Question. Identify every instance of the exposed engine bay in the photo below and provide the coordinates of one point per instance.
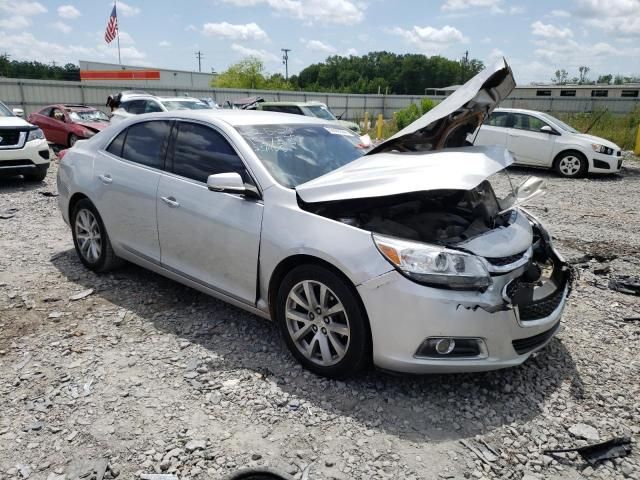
(442, 217)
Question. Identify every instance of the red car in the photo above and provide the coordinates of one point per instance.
(66, 124)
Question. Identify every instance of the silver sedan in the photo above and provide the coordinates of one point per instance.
(399, 255)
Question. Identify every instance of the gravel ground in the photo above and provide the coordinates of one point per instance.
(127, 374)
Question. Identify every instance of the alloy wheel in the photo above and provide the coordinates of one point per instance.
(317, 323)
(88, 235)
(569, 165)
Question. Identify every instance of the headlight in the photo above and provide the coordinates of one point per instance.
(35, 134)
(601, 149)
(88, 133)
(434, 265)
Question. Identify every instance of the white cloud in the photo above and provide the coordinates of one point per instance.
(68, 11)
(495, 54)
(164, 43)
(62, 27)
(25, 8)
(620, 17)
(127, 10)
(430, 39)
(253, 52)
(464, 4)
(351, 51)
(15, 22)
(550, 31)
(345, 12)
(318, 46)
(249, 31)
(560, 13)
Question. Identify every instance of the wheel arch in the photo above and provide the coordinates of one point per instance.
(73, 201)
(573, 150)
(289, 263)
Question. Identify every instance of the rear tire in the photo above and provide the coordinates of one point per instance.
(571, 164)
(91, 240)
(322, 322)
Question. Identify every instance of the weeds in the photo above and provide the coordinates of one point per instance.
(619, 129)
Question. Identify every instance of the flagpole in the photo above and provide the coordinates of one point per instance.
(117, 30)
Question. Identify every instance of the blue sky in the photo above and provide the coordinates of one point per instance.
(536, 37)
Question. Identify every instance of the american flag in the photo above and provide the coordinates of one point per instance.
(112, 26)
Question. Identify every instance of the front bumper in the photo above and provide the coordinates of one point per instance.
(33, 156)
(509, 327)
(601, 163)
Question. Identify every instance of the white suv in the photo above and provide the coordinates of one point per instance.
(134, 103)
(539, 140)
(23, 148)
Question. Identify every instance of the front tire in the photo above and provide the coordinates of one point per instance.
(72, 140)
(322, 322)
(90, 238)
(571, 164)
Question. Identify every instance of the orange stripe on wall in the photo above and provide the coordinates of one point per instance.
(119, 75)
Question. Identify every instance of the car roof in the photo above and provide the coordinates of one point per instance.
(238, 118)
(181, 99)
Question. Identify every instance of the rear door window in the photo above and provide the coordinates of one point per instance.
(145, 143)
(201, 151)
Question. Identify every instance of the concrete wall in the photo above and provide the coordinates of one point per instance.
(32, 95)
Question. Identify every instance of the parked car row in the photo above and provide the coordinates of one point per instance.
(399, 255)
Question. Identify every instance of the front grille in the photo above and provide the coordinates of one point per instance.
(541, 308)
(9, 137)
(619, 164)
(526, 345)
(502, 261)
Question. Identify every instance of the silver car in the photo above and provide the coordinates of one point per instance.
(400, 255)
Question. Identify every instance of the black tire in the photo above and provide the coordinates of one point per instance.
(72, 140)
(571, 164)
(107, 259)
(39, 175)
(357, 351)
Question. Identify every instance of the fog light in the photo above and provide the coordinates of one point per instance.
(452, 348)
(445, 346)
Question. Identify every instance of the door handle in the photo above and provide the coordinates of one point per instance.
(172, 202)
(106, 178)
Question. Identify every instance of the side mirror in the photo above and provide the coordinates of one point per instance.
(230, 183)
(531, 188)
(18, 112)
(548, 129)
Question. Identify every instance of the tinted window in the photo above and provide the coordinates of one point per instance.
(527, 122)
(45, 111)
(629, 93)
(145, 143)
(543, 93)
(567, 93)
(599, 93)
(498, 119)
(152, 107)
(283, 109)
(134, 106)
(115, 147)
(201, 151)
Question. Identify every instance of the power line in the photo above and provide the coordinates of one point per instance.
(199, 56)
(285, 60)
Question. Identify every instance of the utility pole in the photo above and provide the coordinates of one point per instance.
(199, 56)
(285, 60)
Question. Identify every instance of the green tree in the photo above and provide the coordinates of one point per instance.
(561, 77)
(249, 73)
(605, 79)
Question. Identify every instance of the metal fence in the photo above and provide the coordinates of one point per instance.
(32, 95)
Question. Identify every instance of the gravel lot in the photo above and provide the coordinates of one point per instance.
(143, 375)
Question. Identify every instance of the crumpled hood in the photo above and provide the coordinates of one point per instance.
(447, 124)
(95, 126)
(395, 173)
(13, 122)
(600, 141)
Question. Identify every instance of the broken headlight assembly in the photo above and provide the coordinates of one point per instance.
(433, 265)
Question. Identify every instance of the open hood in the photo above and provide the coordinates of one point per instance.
(394, 173)
(449, 122)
